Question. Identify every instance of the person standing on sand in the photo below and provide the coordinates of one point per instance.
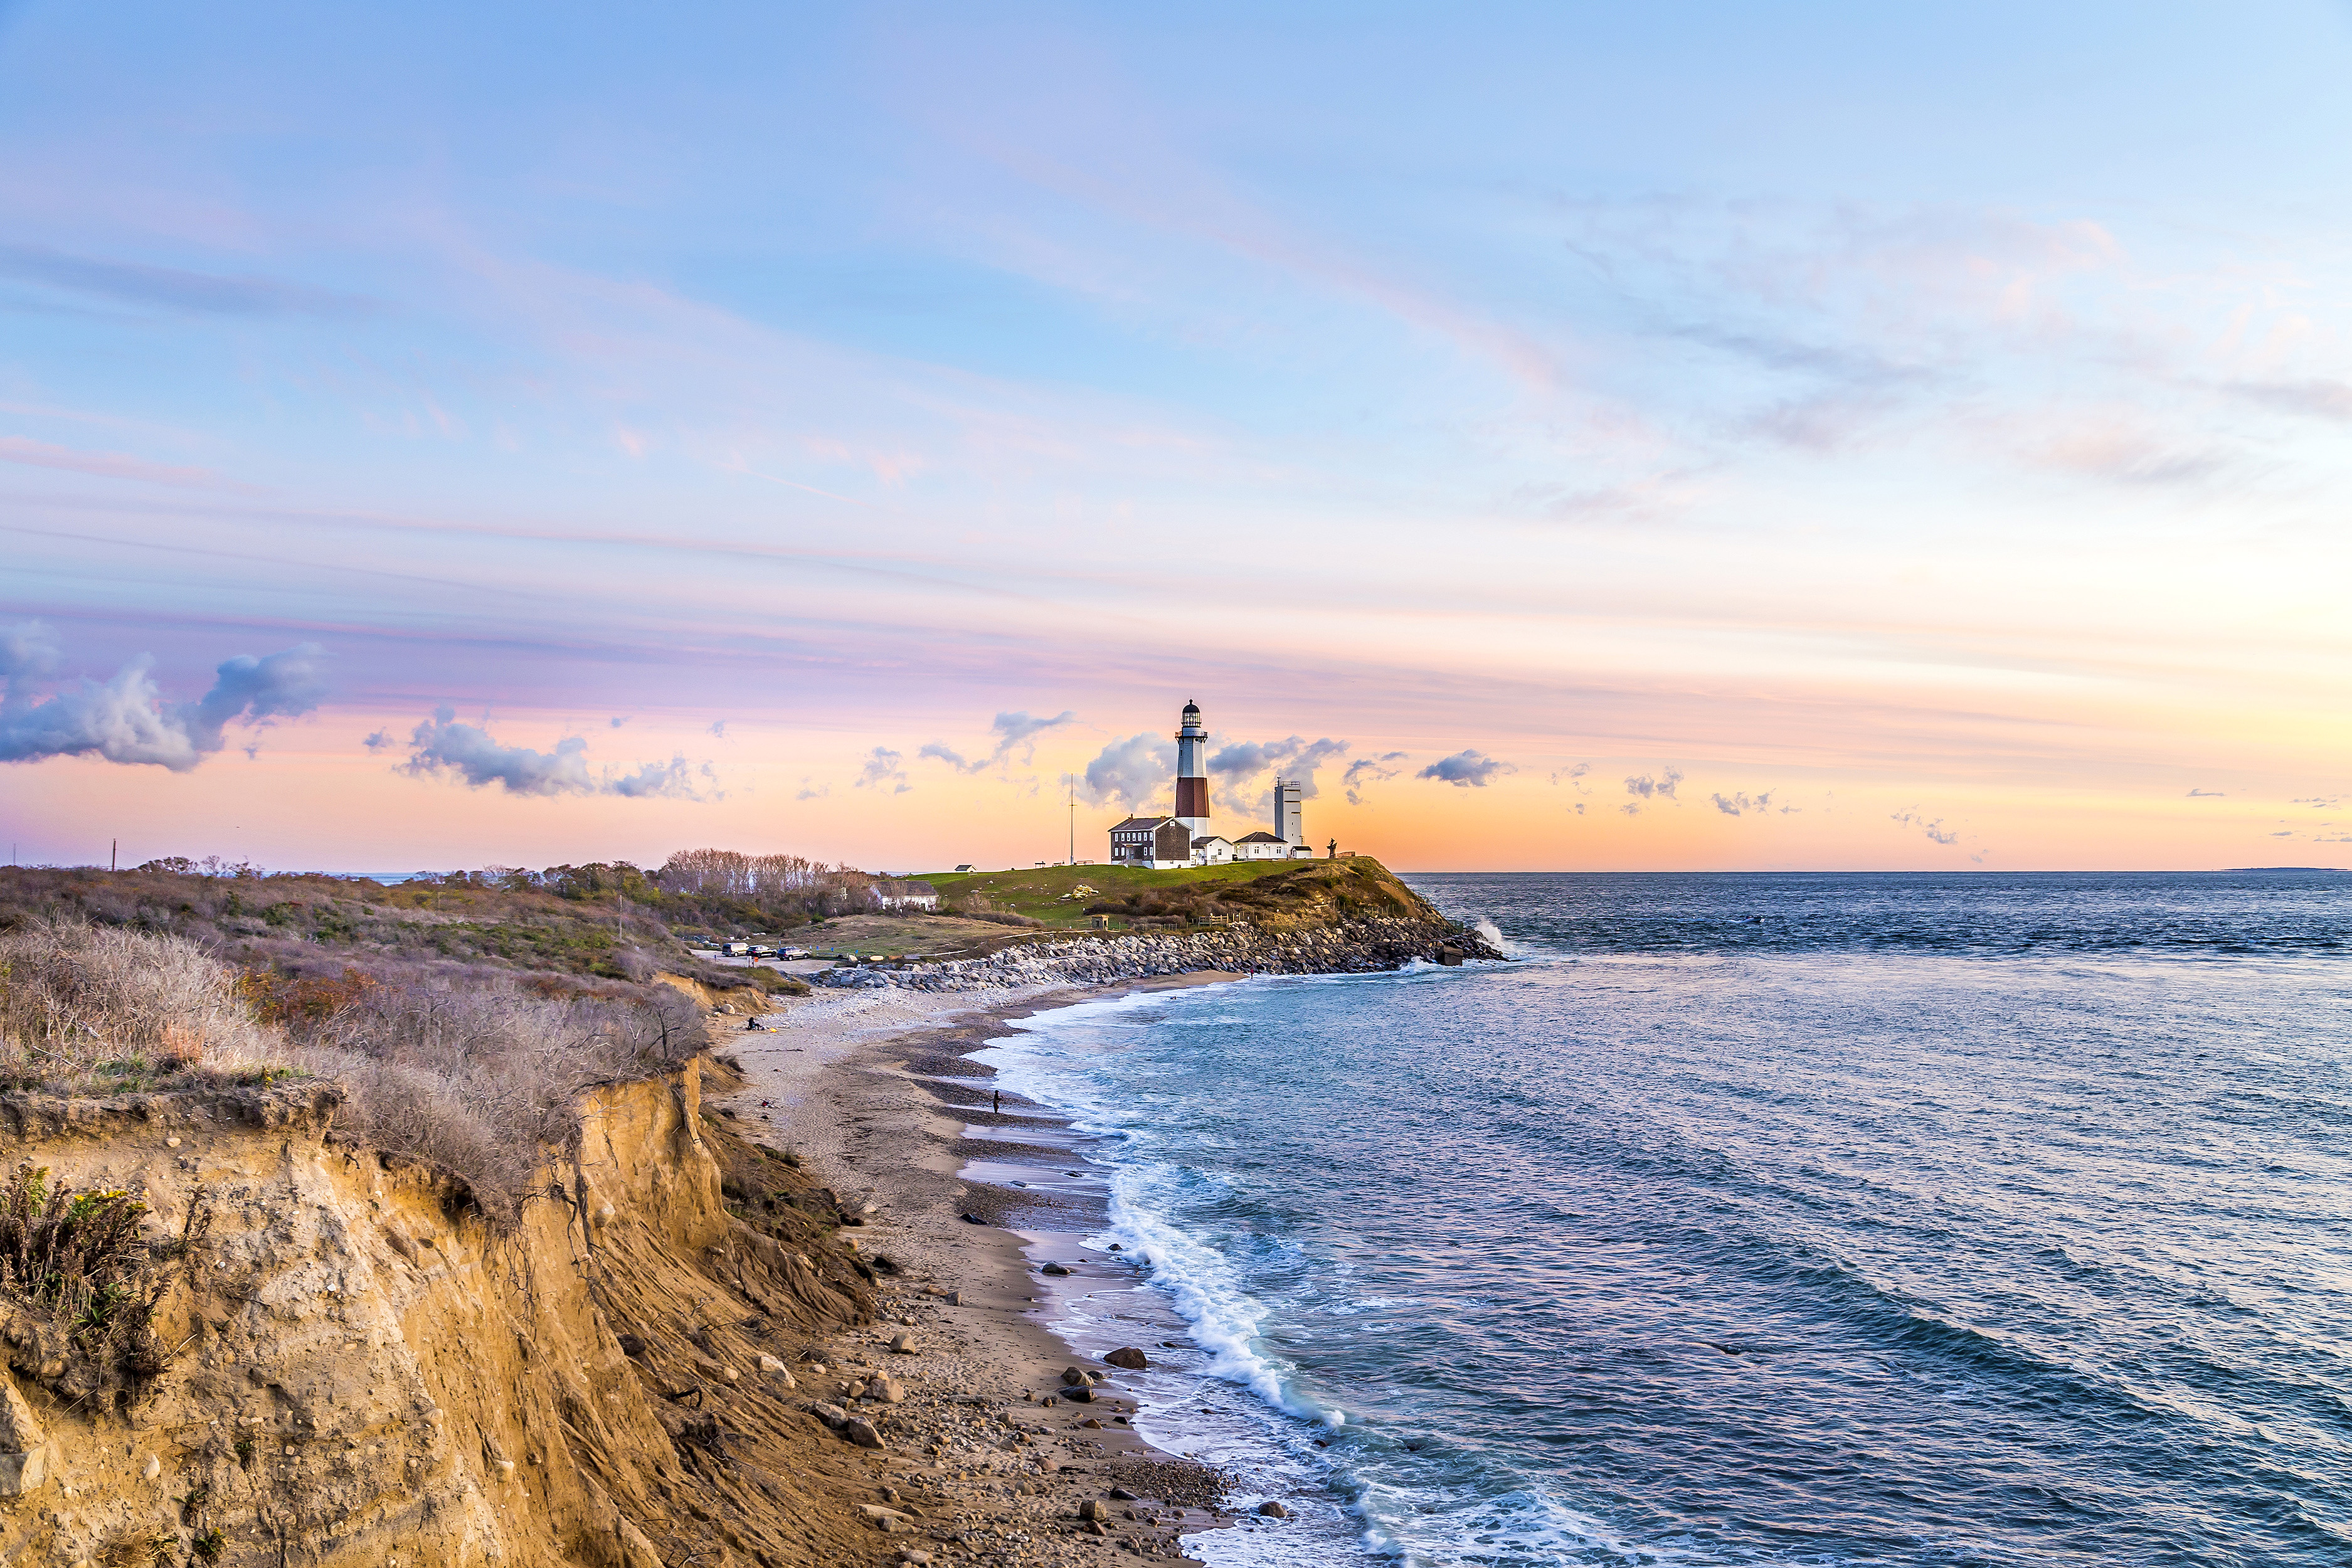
(996, 1102)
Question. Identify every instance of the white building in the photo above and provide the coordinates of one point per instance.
(1290, 815)
(1260, 845)
(893, 894)
(1213, 849)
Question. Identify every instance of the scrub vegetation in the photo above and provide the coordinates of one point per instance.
(471, 1069)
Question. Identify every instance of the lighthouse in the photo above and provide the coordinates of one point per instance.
(1193, 772)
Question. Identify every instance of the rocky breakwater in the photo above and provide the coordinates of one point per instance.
(1354, 918)
(312, 1353)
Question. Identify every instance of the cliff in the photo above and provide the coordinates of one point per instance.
(349, 1364)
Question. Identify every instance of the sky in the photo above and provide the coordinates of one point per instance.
(1566, 436)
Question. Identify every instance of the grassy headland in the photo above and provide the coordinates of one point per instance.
(1070, 898)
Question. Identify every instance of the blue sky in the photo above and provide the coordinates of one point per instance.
(1940, 410)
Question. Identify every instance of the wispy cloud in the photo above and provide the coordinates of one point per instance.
(2205, 795)
(2318, 399)
(1365, 770)
(1739, 803)
(111, 465)
(885, 770)
(175, 289)
(1934, 828)
(1013, 733)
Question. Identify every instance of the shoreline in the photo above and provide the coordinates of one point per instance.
(876, 1092)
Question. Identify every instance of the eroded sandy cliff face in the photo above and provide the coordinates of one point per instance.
(350, 1366)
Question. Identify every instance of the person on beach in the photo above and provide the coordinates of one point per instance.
(996, 1102)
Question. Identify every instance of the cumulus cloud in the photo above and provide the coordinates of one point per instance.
(884, 769)
(1466, 770)
(126, 719)
(1013, 733)
(381, 741)
(27, 653)
(1369, 771)
(441, 745)
(1131, 771)
(718, 729)
(1934, 829)
(1660, 788)
(1294, 758)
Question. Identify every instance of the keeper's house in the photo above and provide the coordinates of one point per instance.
(1152, 843)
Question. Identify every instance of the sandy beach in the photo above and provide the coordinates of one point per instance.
(874, 1092)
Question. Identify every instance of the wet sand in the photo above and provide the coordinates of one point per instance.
(874, 1090)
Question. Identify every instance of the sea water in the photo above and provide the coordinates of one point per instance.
(1745, 1219)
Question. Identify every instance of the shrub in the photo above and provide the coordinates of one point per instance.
(80, 1255)
(480, 1082)
(79, 1001)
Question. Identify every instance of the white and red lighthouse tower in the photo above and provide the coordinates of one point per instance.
(1192, 771)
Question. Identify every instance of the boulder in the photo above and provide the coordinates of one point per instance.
(860, 1431)
(1053, 1268)
(1127, 1356)
(24, 1445)
(831, 1415)
(902, 1344)
(1093, 1508)
(1073, 1377)
(889, 1521)
(888, 1389)
(1272, 1510)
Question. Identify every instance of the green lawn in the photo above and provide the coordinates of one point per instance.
(1049, 892)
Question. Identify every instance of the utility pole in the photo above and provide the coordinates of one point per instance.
(113, 854)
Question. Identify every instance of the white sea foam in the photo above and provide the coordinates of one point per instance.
(1364, 1508)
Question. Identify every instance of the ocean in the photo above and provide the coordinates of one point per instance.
(1965, 1219)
